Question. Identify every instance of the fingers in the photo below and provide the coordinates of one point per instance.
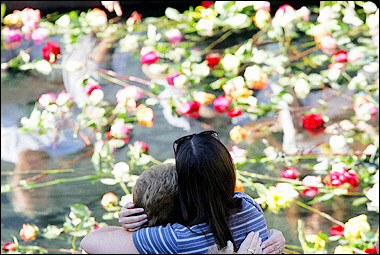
(251, 244)
(247, 241)
(117, 8)
(124, 212)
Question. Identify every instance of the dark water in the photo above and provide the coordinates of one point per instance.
(50, 205)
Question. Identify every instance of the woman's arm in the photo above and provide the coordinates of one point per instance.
(109, 240)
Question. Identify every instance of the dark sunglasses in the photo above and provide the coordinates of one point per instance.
(186, 137)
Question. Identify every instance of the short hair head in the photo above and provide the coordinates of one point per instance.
(156, 191)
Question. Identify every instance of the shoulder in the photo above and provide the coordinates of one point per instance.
(248, 201)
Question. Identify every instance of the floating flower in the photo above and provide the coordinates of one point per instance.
(144, 115)
(261, 18)
(12, 37)
(98, 146)
(30, 15)
(239, 186)
(311, 181)
(230, 63)
(142, 146)
(174, 35)
(364, 108)
(238, 134)
(343, 249)
(207, 4)
(97, 17)
(310, 191)
(171, 77)
(28, 232)
(63, 98)
(203, 98)
(233, 85)
(134, 18)
(51, 51)
(121, 171)
(109, 200)
(284, 15)
(13, 18)
(354, 227)
(43, 66)
(302, 88)
(326, 13)
(129, 43)
(261, 5)
(338, 144)
(339, 57)
(373, 195)
(337, 230)
(119, 130)
(313, 122)
(40, 34)
(234, 112)
(148, 55)
(91, 87)
(371, 250)
(9, 246)
(290, 173)
(279, 196)
(339, 176)
(328, 44)
(222, 104)
(304, 13)
(213, 59)
(128, 92)
(354, 55)
(255, 77)
(205, 27)
(238, 21)
(46, 99)
(238, 154)
(190, 109)
(316, 241)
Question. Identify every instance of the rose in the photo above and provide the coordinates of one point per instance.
(109, 200)
(213, 59)
(222, 104)
(143, 146)
(234, 112)
(9, 246)
(51, 51)
(203, 97)
(28, 232)
(40, 34)
(371, 250)
(119, 130)
(144, 115)
(91, 87)
(46, 99)
(238, 134)
(326, 13)
(171, 77)
(339, 57)
(256, 79)
(290, 173)
(190, 109)
(310, 192)
(313, 122)
(128, 92)
(261, 5)
(30, 15)
(354, 227)
(238, 154)
(174, 35)
(13, 18)
(337, 230)
(207, 4)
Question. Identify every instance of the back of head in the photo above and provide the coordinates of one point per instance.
(206, 181)
(156, 191)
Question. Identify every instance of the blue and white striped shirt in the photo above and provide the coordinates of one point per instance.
(176, 238)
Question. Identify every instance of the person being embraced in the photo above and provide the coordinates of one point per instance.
(205, 210)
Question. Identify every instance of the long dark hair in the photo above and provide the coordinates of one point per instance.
(206, 182)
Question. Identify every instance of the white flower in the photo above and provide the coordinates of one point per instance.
(370, 150)
(43, 66)
(121, 171)
(304, 13)
(338, 144)
(205, 27)
(302, 88)
(180, 81)
(230, 63)
(339, 167)
(158, 68)
(270, 152)
(201, 70)
(373, 195)
(96, 96)
(240, 5)
(312, 181)
(321, 166)
(63, 21)
(129, 43)
(239, 21)
(287, 190)
(369, 7)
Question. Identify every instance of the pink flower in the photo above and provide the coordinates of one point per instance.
(142, 145)
(91, 87)
(328, 45)
(95, 228)
(354, 55)
(30, 15)
(338, 66)
(339, 57)
(238, 154)
(222, 104)
(63, 98)
(171, 77)
(190, 109)
(310, 192)
(290, 173)
(119, 130)
(337, 230)
(261, 5)
(135, 16)
(11, 35)
(234, 112)
(284, 10)
(326, 13)
(311, 180)
(46, 99)
(131, 91)
(51, 51)
(9, 246)
(27, 29)
(98, 146)
(40, 34)
(174, 35)
(148, 55)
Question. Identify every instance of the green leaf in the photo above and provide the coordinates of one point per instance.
(109, 216)
(51, 232)
(80, 210)
(323, 198)
(359, 201)
(3, 8)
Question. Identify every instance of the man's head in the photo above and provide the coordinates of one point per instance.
(156, 191)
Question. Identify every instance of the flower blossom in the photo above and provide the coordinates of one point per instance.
(290, 173)
(28, 232)
(364, 109)
(142, 146)
(310, 191)
(40, 34)
(144, 115)
(202, 97)
(96, 17)
(119, 130)
(277, 197)
(238, 154)
(46, 99)
(255, 77)
(354, 227)
(337, 230)
(222, 104)
(109, 200)
(213, 59)
(12, 37)
(51, 51)
(128, 92)
(238, 134)
(148, 55)
(134, 18)
(261, 18)
(190, 109)
(340, 177)
(313, 122)
(340, 56)
(234, 112)
(9, 246)
(174, 35)
(230, 63)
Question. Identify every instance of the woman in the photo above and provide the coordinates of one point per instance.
(210, 210)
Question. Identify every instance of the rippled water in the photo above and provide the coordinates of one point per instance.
(50, 205)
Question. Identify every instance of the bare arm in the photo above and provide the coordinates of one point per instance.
(109, 240)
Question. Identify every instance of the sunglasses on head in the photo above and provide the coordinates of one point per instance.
(186, 137)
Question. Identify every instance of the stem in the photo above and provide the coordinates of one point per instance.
(55, 171)
(126, 77)
(319, 212)
(260, 176)
(124, 187)
(73, 243)
(157, 162)
(213, 44)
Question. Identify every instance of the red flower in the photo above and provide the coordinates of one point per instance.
(51, 51)
(339, 57)
(234, 112)
(337, 230)
(213, 59)
(207, 4)
(313, 122)
(222, 104)
(190, 109)
(9, 246)
(149, 58)
(290, 173)
(310, 192)
(371, 250)
(135, 16)
(143, 145)
(89, 88)
(171, 77)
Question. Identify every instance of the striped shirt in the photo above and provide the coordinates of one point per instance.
(177, 238)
